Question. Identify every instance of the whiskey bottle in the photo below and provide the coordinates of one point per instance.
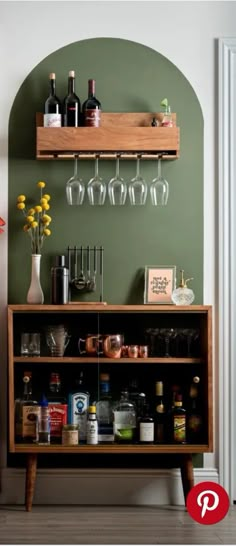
(26, 413)
(179, 421)
(58, 408)
(194, 418)
(78, 403)
(159, 414)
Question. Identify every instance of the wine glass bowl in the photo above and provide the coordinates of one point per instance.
(159, 189)
(96, 188)
(117, 188)
(138, 187)
(75, 188)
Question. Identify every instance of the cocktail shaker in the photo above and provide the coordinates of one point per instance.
(59, 282)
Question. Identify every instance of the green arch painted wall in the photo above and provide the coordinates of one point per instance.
(130, 77)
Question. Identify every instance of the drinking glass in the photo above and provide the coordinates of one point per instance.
(138, 187)
(96, 188)
(75, 188)
(117, 188)
(159, 188)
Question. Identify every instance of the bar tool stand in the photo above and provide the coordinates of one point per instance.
(85, 271)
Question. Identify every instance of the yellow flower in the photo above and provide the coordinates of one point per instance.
(38, 208)
(21, 198)
(46, 206)
(30, 219)
(47, 196)
(41, 184)
(46, 219)
(31, 212)
(34, 224)
(47, 232)
(43, 201)
(20, 206)
(26, 227)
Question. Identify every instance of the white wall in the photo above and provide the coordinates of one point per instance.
(185, 32)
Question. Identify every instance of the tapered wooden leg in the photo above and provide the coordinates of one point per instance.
(31, 468)
(186, 467)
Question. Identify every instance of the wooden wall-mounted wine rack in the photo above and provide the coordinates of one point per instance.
(127, 134)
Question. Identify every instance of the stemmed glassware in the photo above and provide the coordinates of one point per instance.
(117, 188)
(96, 188)
(138, 187)
(75, 188)
(159, 188)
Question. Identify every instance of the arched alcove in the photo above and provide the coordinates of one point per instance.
(130, 77)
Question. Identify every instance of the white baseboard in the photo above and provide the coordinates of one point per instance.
(101, 486)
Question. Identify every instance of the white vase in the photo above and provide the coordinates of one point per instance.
(35, 293)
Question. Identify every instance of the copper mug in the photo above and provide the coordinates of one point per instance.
(112, 345)
(92, 344)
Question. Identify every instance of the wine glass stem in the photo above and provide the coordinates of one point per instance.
(75, 167)
(138, 167)
(117, 167)
(96, 167)
(159, 168)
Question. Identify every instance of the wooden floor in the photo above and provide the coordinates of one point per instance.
(110, 525)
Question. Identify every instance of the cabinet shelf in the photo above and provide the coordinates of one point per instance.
(111, 448)
(92, 360)
(127, 134)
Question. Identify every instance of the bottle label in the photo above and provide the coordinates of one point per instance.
(92, 432)
(30, 421)
(194, 423)
(78, 412)
(52, 120)
(58, 418)
(146, 432)
(92, 117)
(179, 428)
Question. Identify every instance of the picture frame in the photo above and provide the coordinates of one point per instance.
(159, 283)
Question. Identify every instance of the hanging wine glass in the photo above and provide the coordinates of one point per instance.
(159, 188)
(96, 188)
(138, 187)
(117, 188)
(75, 188)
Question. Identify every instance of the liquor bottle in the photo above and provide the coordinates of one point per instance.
(160, 417)
(146, 426)
(179, 421)
(26, 413)
(92, 107)
(124, 424)
(78, 403)
(104, 410)
(71, 104)
(52, 108)
(194, 418)
(44, 422)
(92, 426)
(58, 408)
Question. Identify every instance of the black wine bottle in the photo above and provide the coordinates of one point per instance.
(91, 107)
(52, 109)
(71, 104)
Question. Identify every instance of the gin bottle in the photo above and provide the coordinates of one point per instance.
(78, 403)
(104, 410)
(124, 424)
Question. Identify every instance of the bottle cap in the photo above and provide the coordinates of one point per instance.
(104, 377)
(43, 402)
(92, 409)
(71, 74)
(52, 76)
(159, 388)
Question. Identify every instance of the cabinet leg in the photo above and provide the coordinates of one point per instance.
(31, 468)
(186, 467)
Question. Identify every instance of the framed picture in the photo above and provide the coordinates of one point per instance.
(159, 284)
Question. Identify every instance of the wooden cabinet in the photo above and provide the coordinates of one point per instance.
(127, 134)
(135, 322)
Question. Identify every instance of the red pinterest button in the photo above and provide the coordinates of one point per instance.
(207, 503)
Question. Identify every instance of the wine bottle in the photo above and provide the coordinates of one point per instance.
(91, 107)
(71, 104)
(52, 109)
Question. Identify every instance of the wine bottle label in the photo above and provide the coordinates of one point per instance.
(179, 428)
(146, 432)
(52, 120)
(92, 117)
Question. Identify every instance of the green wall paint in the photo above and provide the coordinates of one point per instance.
(130, 77)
